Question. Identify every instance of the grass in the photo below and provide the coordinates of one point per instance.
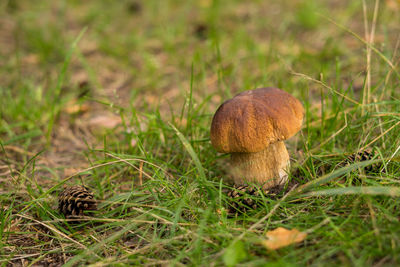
(120, 96)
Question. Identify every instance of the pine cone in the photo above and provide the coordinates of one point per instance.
(73, 200)
(364, 155)
(242, 196)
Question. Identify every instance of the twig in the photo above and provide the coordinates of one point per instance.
(87, 218)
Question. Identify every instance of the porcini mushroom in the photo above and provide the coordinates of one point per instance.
(252, 127)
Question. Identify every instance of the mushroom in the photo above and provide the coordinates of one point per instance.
(252, 126)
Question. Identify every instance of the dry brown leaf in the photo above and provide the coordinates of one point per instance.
(107, 121)
(282, 237)
(73, 107)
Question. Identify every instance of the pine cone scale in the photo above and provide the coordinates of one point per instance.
(243, 196)
(74, 200)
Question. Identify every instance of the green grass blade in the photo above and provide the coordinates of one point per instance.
(330, 176)
(93, 249)
(60, 82)
(27, 135)
(191, 152)
(203, 180)
(391, 191)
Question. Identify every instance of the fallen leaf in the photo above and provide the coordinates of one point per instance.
(73, 107)
(282, 237)
(107, 121)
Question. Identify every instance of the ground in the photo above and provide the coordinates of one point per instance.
(119, 96)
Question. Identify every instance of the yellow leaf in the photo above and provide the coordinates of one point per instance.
(282, 237)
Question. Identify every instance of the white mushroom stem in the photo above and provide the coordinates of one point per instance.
(268, 167)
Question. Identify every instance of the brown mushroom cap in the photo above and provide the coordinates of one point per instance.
(252, 120)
